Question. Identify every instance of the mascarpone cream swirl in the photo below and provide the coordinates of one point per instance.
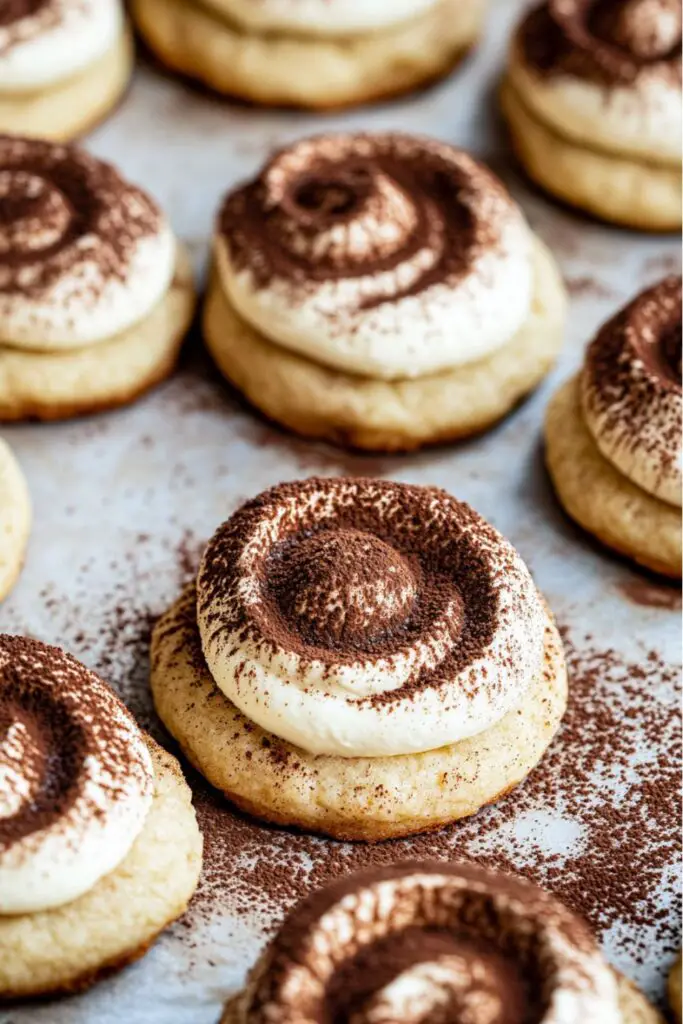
(83, 253)
(430, 944)
(607, 72)
(367, 618)
(631, 391)
(46, 41)
(322, 18)
(76, 778)
(386, 255)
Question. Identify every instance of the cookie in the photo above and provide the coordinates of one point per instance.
(90, 327)
(103, 850)
(320, 702)
(433, 333)
(317, 55)
(592, 96)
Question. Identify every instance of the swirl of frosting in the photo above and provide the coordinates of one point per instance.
(83, 254)
(367, 618)
(430, 944)
(631, 391)
(579, 49)
(76, 777)
(45, 41)
(322, 17)
(386, 255)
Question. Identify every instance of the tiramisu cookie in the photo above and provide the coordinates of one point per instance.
(96, 294)
(382, 291)
(311, 53)
(15, 519)
(614, 435)
(361, 658)
(424, 942)
(63, 65)
(675, 993)
(593, 99)
(99, 846)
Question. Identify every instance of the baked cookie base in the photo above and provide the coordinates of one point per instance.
(390, 416)
(367, 799)
(634, 1007)
(298, 71)
(59, 385)
(614, 187)
(66, 110)
(600, 498)
(68, 948)
(15, 519)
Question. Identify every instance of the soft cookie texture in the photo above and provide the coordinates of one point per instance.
(381, 291)
(63, 67)
(364, 798)
(592, 96)
(401, 942)
(273, 66)
(97, 293)
(68, 948)
(15, 519)
(320, 402)
(600, 498)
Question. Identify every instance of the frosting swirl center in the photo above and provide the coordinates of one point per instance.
(34, 215)
(338, 586)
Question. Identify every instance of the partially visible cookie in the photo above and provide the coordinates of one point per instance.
(592, 96)
(64, 65)
(15, 519)
(614, 444)
(86, 883)
(84, 326)
(409, 939)
(320, 55)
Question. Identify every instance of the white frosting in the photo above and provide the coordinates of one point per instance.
(322, 17)
(58, 41)
(326, 706)
(85, 306)
(84, 254)
(445, 327)
(642, 119)
(62, 859)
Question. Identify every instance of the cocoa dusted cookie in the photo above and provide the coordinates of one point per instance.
(64, 64)
(100, 849)
(96, 294)
(311, 53)
(428, 941)
(15, 519)
(361, 658)
(381, 291)
(614, 441)
(592, 95)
